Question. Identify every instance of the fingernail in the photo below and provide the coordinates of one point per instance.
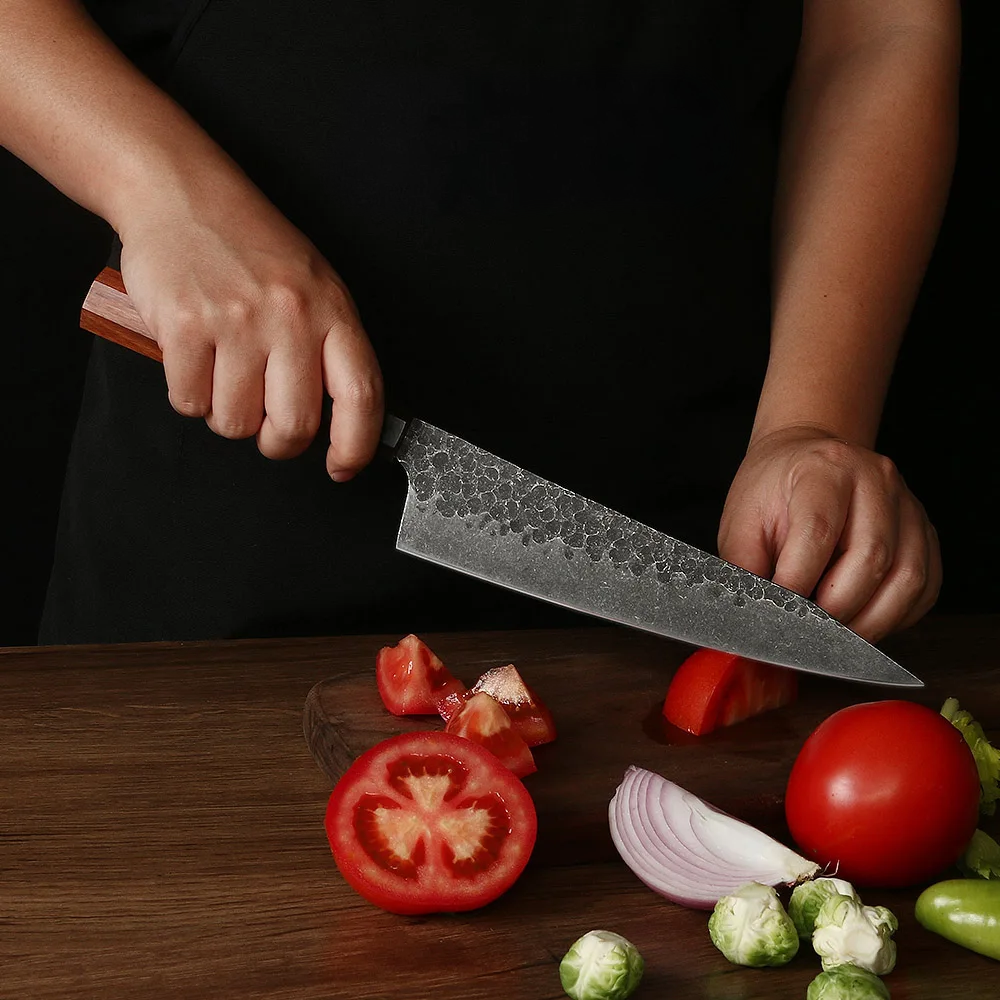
(341, 476)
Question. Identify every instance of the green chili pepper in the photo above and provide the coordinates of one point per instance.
(965, 911)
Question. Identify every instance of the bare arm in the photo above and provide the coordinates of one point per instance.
(867, 156)
(251, 339)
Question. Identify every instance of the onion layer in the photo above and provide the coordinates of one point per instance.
(689, 851)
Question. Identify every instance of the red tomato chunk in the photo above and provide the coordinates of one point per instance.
(531, 718)
(482, 719)
(429, 822)
(411, 679)
(713, 689)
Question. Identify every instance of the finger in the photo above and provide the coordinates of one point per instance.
(293, 402)
(935, 577)
(907, 585)
(354, 382)
(744, 539)
(868, 544)
(237, 394)
(817, 512)
(188, 364)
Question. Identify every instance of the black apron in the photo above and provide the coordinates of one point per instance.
(554, 219)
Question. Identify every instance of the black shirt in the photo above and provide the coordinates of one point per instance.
(554, 221)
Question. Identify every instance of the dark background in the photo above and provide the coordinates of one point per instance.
(940, 423)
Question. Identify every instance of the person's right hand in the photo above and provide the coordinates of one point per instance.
(253, 323)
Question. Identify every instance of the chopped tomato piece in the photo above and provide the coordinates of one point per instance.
(411, 679)
(531, 717)
(483, 720)
(428, 822)
(712, 689)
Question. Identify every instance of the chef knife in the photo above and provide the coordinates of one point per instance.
(478, 514)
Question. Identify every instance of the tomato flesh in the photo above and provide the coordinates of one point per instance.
(531, 717)
(429, 822)
(411, 679)
(885, 793)
(713, 689)
(481, 718)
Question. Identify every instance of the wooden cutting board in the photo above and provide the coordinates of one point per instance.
(607, 707)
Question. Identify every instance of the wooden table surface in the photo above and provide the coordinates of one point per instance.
(161, 824)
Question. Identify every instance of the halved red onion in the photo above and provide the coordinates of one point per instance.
(689, 851)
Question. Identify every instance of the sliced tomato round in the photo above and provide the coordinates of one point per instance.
(429, 822)
(531, 717)
(482, 719)
(411, 679)
(713, 689)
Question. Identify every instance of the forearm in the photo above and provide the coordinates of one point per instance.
(77, 111)
(867, 156)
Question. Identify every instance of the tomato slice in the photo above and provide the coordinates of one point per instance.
(483, 720)
(531, 717)
(428, 822)
(713, 689)
(411, 679)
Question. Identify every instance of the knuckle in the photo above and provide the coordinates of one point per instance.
(288, 300)
(913, 575)
(887, 469)
(295, 427)
(184, 326)
(819, 531)
(188, 406)
(877, 557)
(233, 427)
(363, 393)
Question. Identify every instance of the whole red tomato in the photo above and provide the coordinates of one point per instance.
(885, 793)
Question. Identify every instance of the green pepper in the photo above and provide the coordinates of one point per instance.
(965, 911)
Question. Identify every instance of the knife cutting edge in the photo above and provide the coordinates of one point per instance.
(475, 513)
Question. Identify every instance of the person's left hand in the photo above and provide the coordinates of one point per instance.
(835, 522)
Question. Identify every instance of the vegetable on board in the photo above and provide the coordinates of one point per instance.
(712, 689)
(849, 933)
(601, 965)
(808, 897)
(986, 755)
(531, 717)
(428, 822)
(883, 794)
(751, 927)
(482, 720)
(411, 679)
(965, 911)
(981, 857)
(847, 982)
(687, 850)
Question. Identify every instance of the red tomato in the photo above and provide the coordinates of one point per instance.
(712, 689)
(428, 822)
(411, 679)
(885, 793)
(530, 716)
(483, 720)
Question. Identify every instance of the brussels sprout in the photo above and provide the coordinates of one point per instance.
(847, 982)
(848, 933)
(750, 927)
(808, 897)
(601, 965)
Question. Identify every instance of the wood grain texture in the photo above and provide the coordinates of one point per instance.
(108, 312)
(161, 824)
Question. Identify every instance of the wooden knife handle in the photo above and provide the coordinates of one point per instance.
(108, 312)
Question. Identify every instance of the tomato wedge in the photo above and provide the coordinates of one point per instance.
(531, 717)
(713, 689)
(411, 679)
(428, 822)
(483, 720)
